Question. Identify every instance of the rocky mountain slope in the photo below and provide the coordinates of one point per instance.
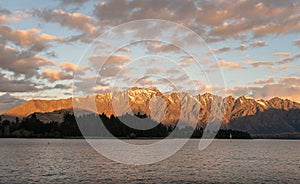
(244, 113)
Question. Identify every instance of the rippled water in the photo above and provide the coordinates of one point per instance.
(224, 161)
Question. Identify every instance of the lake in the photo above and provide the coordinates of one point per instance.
(224, 161)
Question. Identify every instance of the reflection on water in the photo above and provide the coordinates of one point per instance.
(224, 161)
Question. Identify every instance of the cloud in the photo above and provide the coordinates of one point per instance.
(173, 70)
(73, 2)
(146, 81)
(165, 85)
(7, 16)
(290, 81)
(259, 63)
(255, 44)
(113, 71)
(76, 21)
(56, 75)
(176, 10)
(187, 59)
(289, 58)
(268, 91)
(242, 47)
(264, 81)
(285, 67)
(51, 54)
(22, 62)
(4, 11)
(7, 102)
(154, 70)
(296, 56)
(128, 50)
(289, 26)
(287, 87)
(230, 30)
(285, 60)
(98, 61)
(258, 44)
(32, 38)
(297, 42)
(156, 48)
(101, 89)
(62, 86)
(228, 65)
(248, 16)
(213, 20)
(88, 83)
(223, 49)
(70, 67)
(111, 66)
(9, 84)
(283, 54)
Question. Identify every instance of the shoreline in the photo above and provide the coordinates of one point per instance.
(125, 138)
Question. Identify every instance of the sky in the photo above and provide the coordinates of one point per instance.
(55, 49)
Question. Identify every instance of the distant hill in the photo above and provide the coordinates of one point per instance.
(258, 117)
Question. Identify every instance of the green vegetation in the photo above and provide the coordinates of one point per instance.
(32, 127)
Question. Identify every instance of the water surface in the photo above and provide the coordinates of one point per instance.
(224, 161)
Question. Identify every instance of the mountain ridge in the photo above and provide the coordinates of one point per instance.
(240, 113)
(60, 104)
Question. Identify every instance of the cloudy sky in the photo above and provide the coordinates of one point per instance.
(252, 46)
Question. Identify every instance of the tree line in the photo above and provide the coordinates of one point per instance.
(91, 126)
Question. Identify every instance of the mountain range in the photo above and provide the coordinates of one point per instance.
(273, 117)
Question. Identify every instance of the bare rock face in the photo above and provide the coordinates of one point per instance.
(244, 113)
(41, 106)
(265, 116)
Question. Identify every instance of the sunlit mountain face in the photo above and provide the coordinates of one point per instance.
(244, 113)
(54, 50)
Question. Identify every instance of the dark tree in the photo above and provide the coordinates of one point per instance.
(69, 127)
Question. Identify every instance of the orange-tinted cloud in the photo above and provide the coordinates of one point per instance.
(259, 63)
(76, 21)
(70, 67)
(32, 38)
(286, 87)
(283, 54)
(215, 20)
(228, 65)
(56, 75)
(223, 49)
